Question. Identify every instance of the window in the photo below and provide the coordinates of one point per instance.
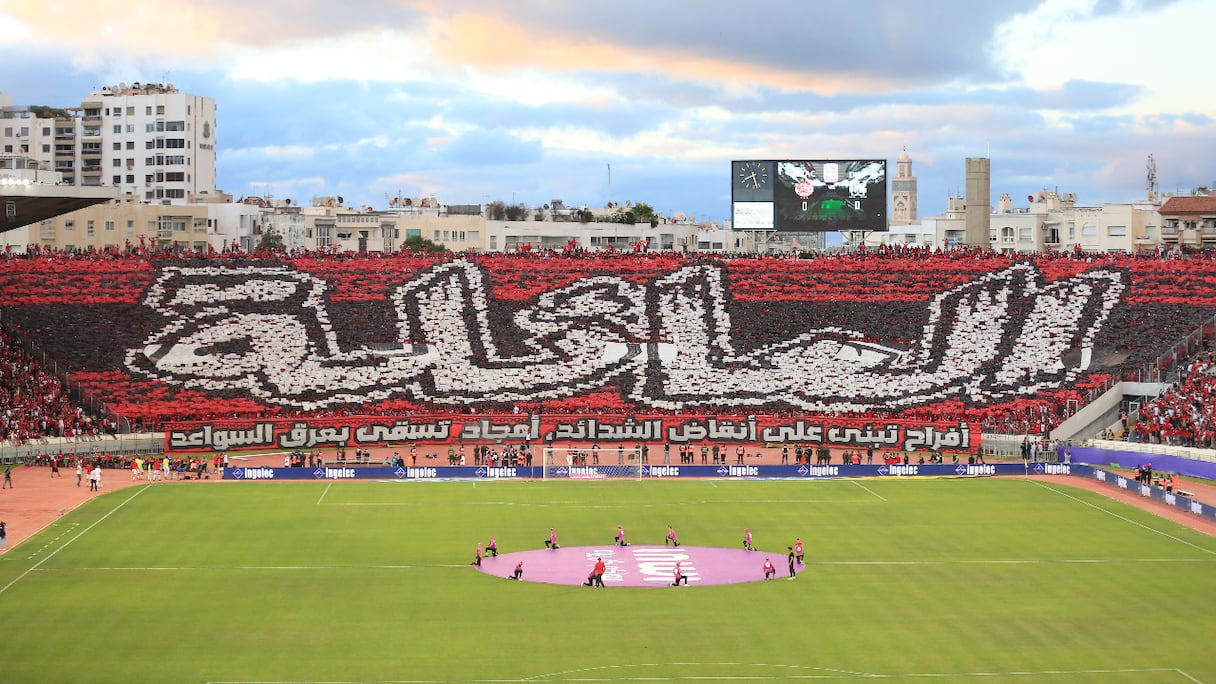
(1116, 231)
(117, 146)
(8, 131)
(89, 227)
(130, 227)
(69, 225)
(130, 111)
(109, 226)
(1089, 230)
(1150, 232)
(130, 128)
(160, 110)
(117, 162)
(131, 179)
(46, 149)
(117, 179)
(168, 226)
(117, 129)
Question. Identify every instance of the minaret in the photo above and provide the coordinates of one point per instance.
(903, 192)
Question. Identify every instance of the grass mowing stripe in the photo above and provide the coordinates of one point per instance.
(1123, 518)
(944, 578)
(67, 543)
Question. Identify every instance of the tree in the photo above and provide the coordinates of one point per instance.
(584, 215)
(517, 212)
(417, 243)
(496, 210)
(644, 213)
(271, 240)
(48, 112)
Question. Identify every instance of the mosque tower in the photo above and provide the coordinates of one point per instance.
(903, 192)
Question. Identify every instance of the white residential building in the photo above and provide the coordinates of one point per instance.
(149, 140)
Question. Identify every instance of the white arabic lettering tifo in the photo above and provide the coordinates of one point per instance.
(668, 345)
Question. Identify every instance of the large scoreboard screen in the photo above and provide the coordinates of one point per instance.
(809, 195)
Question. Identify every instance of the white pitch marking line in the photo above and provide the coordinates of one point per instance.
(51, 555)
(826, 673)
(1125, 519)
(859, 484)
(324, 493)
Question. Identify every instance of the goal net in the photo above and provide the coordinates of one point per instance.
(580, 463)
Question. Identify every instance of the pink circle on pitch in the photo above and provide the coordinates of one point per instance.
(638, 566)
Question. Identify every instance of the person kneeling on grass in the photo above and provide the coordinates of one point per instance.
(551, 542)
(770, 571)
(679, 575)
(492, 547)
(477, 557)
(620, 536)
(519, 571)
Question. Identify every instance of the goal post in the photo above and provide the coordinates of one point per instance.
(581, 463)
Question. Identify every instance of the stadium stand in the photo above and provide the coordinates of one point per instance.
(1185, 414)
(93, 312)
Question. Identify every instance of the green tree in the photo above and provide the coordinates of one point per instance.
(644, 213)
(417, 243)
(48, 112)
(271, 240)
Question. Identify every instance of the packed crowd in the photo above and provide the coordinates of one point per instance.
(33, 403)
(768, 300)
(1185, 414)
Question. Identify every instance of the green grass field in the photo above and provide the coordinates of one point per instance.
(987, 580)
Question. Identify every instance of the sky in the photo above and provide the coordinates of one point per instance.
(592, 101)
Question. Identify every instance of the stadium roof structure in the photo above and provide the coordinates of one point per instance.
(27, 203)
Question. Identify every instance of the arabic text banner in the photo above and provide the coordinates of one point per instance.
(328, 434)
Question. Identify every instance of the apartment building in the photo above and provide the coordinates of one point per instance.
(149, 140)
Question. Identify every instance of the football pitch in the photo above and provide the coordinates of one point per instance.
(975, 580)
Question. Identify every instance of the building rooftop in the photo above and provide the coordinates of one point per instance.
(1198, 204)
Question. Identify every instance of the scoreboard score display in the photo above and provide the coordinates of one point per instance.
(809, 196)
